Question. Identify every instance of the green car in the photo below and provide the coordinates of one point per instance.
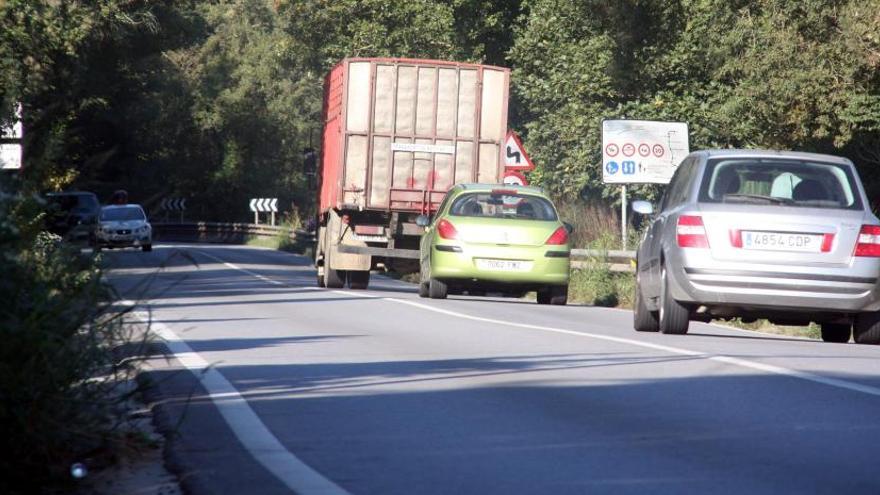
(495, 237)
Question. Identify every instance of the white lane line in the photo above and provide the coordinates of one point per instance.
(245, 270)
(243, 421)
(743, 363)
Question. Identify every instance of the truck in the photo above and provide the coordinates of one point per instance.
(398, 134)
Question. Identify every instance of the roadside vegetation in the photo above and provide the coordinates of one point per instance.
(218, 102)
(67, 361)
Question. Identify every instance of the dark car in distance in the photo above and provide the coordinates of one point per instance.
(73, 215)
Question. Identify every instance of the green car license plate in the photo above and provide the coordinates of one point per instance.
(504, 265)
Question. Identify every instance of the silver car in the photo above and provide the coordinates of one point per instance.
(124, 226)
(761, 234)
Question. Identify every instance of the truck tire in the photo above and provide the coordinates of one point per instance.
(423, 289)
(674, 317)
(836, 332)
(147, 248)
(866, 329)
(334, 279)
(358, 279)
(644, 320)
(437, 289)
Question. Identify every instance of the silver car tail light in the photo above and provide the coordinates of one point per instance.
(869, 241)
(690, 232)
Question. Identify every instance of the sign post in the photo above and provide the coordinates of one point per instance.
(641, 152)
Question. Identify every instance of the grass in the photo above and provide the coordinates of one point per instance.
(283, 242)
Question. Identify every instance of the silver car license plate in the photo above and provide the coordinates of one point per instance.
(782, 241)
(504, 265)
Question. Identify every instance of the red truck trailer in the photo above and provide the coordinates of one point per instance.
(398, 133)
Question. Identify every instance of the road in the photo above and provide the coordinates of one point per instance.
(379, 391)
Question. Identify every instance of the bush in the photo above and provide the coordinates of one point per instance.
(596, 284)
(57, 369)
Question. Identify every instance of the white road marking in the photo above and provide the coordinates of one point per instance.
(743, 363)
(298, 476)
(243, 421)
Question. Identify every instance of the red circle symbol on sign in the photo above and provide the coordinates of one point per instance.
(658, 150)
(629, 149)
(644, 149)
(611, 149)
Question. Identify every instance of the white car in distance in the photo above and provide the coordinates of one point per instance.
(124, 226)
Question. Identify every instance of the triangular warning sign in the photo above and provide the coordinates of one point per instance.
(515, 156)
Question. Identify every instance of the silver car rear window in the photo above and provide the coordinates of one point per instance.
(780, 182)
(506, 204)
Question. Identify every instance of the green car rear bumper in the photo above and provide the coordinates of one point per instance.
(495, 265)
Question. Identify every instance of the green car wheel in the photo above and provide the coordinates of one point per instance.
(437, 289)
(556, 296)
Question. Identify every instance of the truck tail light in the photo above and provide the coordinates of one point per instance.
(558, 238)
(690, 232)
(446, 230)
(869, 241)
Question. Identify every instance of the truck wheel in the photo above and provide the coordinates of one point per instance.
(358, 279)
(866, 329)
(437, 289)
(147, 248)
(836, 332)
(334, 279)
(643, 319)
(674, 316)
(423, 289)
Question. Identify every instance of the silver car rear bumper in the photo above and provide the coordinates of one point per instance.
(706, 281)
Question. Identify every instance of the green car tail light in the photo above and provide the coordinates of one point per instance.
(558, 238)
(446, 230)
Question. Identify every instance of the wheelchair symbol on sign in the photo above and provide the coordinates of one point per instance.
(628, 167)
(611, 168)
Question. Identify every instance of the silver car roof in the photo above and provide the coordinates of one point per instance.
(759, 153)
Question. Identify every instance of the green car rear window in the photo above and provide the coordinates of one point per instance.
(503, 205)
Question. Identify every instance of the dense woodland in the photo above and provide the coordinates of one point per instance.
(216, 100)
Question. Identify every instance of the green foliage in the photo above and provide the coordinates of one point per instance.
(764, 73)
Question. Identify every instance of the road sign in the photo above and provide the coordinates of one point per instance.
(10, 156)
(649, 151)
(515, 156)
(173, 204)
(514, 178)
(264, 205)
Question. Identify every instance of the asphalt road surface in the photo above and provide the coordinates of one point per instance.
(280, 387)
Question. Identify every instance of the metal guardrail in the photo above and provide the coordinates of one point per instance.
(220, 232)
(617, 261)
